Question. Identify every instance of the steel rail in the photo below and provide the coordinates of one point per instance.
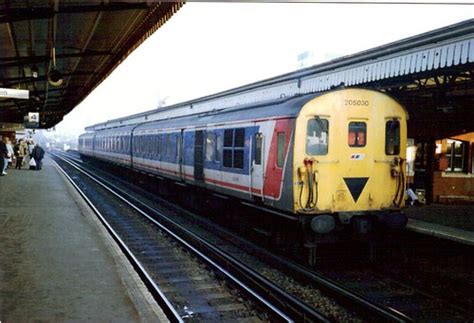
(358, 302)
(158, 295)
(299, 310)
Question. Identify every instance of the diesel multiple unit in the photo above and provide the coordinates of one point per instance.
(328, 159)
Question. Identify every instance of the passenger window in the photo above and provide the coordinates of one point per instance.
(392, 137)
(239, 137)
(234, 142)
(218, 148)
(168, 145)
(239, 159)
(158, 144)
(317, 137)
(280, 149)
(357, 134)
(176, 146)
(228, 137)
(228, 158)
(258, 148)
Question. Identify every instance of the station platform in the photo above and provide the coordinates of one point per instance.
(57, 262)
(446, 221)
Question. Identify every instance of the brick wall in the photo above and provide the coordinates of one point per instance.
(461, 186)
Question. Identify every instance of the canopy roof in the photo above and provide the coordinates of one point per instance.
(84, 41)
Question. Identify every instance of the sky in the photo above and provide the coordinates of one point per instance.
(210, 47)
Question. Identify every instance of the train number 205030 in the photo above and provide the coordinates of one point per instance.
(356, 102)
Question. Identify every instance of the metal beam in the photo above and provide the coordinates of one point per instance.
(25, 80)
(9, 15)
(22, 60)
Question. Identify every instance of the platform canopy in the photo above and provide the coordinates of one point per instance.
(59, 51)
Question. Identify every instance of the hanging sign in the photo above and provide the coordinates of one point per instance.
(14, 93)
(32, 120)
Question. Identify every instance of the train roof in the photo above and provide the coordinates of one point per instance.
(285, 107)
(289, 107)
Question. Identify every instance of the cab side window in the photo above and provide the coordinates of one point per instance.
(317, 135)
(392, 137)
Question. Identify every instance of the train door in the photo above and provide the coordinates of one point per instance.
(199, 155)
(181, 155)
(257, 167)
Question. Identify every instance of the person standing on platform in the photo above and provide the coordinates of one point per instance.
(3, 157)
(8, 143)
(31, 145)
(38, 154)
(20, 151)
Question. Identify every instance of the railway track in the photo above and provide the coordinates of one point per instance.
(183, 285)
(365, 308)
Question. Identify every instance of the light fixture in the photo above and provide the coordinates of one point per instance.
(34, 72)
(55, 78)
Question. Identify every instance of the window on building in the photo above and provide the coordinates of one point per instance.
(456, 155)
(280, 149)
(357, 134)
(317, 135)
(392, 137)
(234, 142)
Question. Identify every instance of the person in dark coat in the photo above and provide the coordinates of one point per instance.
(38, 154)
(3, 157)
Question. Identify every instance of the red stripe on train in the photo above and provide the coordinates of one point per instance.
(274, 174)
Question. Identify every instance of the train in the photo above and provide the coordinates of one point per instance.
(328, 160)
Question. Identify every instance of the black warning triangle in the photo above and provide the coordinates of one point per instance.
(356, 185)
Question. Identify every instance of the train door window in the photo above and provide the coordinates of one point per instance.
(210, 147)
(392, 137)
(176, 146)
(218, 148)
(357, 134)
(281, 136)
(258, 148)
(317, 135)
